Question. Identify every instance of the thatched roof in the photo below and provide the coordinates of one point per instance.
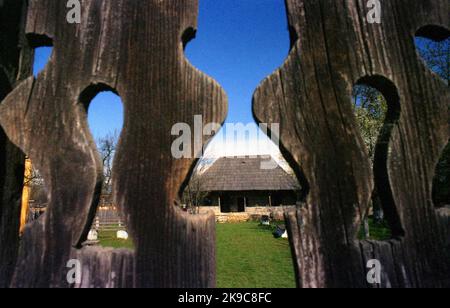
(245, 174)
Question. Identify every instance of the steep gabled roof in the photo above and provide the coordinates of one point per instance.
(246, 174)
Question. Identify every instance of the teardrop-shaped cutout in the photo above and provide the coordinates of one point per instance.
(43, 48)
(376, 113)
(105, 117)
(433, 46)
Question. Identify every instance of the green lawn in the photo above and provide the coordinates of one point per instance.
(108, 239)
(248, 256)
(378, 231)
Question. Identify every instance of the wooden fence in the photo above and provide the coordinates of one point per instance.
(135, 47)
(108, 219)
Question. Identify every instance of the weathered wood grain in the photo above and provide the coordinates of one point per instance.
(109, 268)
(333, 49)
(15, 62)
(134, 48)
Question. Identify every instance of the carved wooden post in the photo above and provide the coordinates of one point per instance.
(15, 62)
(136, 49)
(333, 48)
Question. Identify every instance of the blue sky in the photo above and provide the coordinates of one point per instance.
(238, 43)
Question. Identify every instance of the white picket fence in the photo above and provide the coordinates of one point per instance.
(108, 219)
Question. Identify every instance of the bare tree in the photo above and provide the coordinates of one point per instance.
(194, 194)
(107, 146)
(34, 193)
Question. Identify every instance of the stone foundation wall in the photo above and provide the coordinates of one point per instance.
(251, 213)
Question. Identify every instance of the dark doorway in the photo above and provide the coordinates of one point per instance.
(277, 199)
(225, 204)
(231, 204)
(241, 203)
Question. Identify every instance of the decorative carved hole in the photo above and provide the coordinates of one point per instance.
(105, 117)
(188, 35)
(239, 55)
(433, 46)
(43, 49)
(377, 110)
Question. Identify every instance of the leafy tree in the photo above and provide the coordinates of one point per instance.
(370, 110)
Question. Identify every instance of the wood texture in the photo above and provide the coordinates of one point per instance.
(334, 48)
(134, 48)
(15, 59)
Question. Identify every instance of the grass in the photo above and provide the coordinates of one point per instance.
(378, 231)
(248, 256)
(109, 239)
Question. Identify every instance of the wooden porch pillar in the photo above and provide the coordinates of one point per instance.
(26, 194)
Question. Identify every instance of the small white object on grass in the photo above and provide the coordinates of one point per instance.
(93, 235)
(285, 235)
(122, 235)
